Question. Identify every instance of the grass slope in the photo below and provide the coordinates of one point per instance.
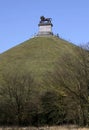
(37, 55)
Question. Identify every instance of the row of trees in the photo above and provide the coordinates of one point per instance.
(22, 104)
(15, 93)
(65, 99)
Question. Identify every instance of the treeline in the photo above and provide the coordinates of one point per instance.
(22, 104)
(65, 99)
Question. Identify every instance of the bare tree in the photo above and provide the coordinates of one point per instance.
(71, 76)
(16, 93)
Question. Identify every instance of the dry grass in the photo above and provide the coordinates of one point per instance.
(70, 127)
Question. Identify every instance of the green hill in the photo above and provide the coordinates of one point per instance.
(44, 81)
(37, 55)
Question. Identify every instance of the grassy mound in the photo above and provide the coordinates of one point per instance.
(37, 55)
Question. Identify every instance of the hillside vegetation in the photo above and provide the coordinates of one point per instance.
(44, 81)
(36, 55)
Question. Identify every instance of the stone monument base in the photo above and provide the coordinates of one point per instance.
(45, 27)
(45, 34)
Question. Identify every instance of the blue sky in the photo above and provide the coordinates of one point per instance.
(19, 20)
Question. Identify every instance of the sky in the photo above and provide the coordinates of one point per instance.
(19, 20)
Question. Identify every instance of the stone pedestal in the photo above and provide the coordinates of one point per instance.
(45, 28)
